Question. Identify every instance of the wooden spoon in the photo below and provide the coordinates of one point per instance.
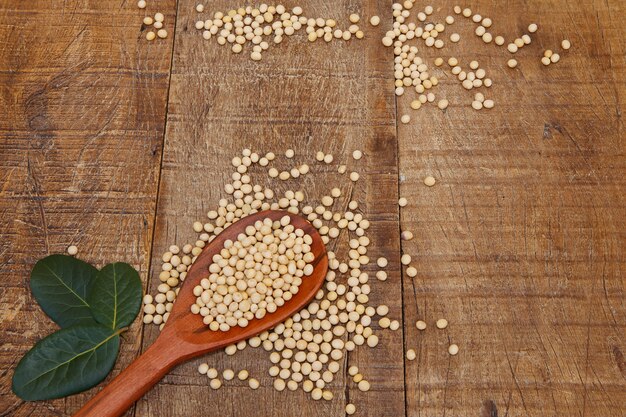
(185, 336)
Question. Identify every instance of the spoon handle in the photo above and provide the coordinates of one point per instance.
(120, 394)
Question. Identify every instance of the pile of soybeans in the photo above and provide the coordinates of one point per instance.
(306, 351)
(254, 275)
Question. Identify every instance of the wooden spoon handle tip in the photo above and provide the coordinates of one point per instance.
(120, 394)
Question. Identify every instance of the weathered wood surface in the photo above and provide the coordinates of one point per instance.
(82, 109)
(334, 98)
(520, 244)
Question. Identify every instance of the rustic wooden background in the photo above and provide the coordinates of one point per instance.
(118, 145)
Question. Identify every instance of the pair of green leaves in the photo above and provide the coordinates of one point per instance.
(92, 307)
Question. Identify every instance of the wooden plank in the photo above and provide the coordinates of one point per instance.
(334, 98)
(82, 99)
(520, 244)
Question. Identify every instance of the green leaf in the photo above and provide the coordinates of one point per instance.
(60, 285)
(115, 296)
(66, 362)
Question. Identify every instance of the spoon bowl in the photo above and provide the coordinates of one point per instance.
(185, 336)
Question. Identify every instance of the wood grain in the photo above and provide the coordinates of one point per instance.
(334, 98)
(82, 111)
(520, 244)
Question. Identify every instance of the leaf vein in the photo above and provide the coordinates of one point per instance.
(66, 286)
(71, 359)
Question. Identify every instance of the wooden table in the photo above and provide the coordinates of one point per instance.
(117, 145)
